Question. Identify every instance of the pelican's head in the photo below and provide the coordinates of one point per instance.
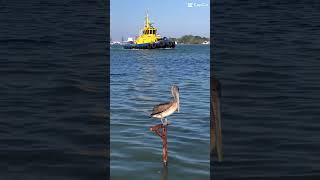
(175, 94)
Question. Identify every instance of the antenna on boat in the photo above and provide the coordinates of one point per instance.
(147, 19)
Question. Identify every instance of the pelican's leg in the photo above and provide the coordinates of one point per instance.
(166, 121)
(161, 121)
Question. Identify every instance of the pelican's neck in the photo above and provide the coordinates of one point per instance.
(176, 99)
(175, 94)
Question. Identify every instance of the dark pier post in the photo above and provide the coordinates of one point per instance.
(216, 120)
(161, 130)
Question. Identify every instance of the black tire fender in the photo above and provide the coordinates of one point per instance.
(162, 44)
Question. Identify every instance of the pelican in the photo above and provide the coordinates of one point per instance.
(161, 111)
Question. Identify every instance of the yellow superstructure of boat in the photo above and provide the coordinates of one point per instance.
(149, 39)
(149, 33)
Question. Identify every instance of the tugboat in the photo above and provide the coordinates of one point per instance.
(149, 39)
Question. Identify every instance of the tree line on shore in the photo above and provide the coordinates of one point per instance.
(190, 39)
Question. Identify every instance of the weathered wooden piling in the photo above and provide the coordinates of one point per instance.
(161, 130)
(215, 123)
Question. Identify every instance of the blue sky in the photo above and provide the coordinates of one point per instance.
(173, 18)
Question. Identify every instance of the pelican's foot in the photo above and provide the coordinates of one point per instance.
(166, 123)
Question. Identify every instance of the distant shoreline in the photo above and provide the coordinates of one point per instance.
(193, 44)
(191, 39)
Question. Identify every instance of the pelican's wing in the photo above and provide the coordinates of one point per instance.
(161, 107)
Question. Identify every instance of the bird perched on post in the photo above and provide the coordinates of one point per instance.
(161, 111)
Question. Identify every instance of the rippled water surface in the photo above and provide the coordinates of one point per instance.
(267, 59)
(52, 90)
(141, 79)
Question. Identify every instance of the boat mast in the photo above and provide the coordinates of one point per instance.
(147, 25)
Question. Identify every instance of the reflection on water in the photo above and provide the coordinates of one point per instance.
(165, 172)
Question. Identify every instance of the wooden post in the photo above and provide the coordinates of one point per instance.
(215, 125)
(161, 130)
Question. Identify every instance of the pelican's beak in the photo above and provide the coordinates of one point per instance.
(178, 101)
(175, 93)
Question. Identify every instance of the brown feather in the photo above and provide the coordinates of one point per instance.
(161, 107)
